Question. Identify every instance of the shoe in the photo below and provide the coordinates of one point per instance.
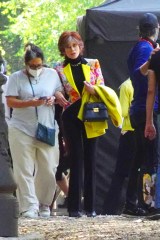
(44, 211)
(154, 215)
(65, 204)
(33, 213)
(135, 211)
(91, 214)
(75, 214)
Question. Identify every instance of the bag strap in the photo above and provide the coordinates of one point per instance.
(34, 96)
(60, 77)
(32, 93)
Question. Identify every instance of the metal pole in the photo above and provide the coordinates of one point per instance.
(9, 210)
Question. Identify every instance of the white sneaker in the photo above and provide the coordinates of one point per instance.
(44, 211)
(33, 213)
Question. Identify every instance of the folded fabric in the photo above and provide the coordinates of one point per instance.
(110, 98)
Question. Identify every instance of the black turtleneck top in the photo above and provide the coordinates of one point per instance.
(77, 72)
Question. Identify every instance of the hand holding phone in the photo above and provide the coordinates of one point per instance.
(43, 98)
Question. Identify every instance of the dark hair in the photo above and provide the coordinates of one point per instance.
(147, 33)
(147, 25)
(31, 52)
(66, 37)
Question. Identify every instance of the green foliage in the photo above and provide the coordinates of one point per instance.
(40, 22)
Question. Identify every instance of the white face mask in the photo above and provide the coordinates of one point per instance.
(35, 73)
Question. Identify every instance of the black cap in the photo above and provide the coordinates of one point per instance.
(149, 21)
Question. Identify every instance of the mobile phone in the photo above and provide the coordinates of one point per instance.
(43, 98)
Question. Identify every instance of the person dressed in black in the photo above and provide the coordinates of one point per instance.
(151, 132)
(62, 175)
(123, 188)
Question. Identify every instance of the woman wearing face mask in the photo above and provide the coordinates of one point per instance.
(30, 94)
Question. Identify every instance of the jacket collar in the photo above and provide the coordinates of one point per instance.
(69, 76)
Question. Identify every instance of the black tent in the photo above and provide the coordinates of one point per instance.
(109, 32)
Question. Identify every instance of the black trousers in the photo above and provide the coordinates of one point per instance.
(135, 153)
(147, 150)
(125, 176)
(82, 152)
(64, 163)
